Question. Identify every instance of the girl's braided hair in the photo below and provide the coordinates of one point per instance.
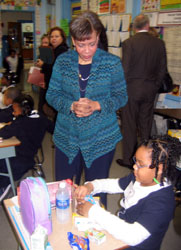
(166, 150)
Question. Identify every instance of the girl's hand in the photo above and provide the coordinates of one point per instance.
(83, 208)
(81, 191)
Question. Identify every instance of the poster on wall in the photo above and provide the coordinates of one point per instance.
(117, 6)
(170, 4)
(76, 8)
(150, 5)
(93, 5)
(0, 31)
(172, 38)
(153, 17)
(103, 6)
(169, 18)
(84, 5)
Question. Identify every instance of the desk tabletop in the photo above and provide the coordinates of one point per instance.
(58, 238)
(13, 141)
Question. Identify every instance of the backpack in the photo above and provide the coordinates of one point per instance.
(35, 204)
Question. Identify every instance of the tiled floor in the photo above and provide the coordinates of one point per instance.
(172, 240)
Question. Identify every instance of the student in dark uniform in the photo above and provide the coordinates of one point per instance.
(29, 127)
(148, 204)
(6, 114)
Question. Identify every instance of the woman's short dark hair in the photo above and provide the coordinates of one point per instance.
(62, 33)
(26, 103)
(82, 26)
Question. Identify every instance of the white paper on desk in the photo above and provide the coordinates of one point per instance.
(24, 234)
(15, 200)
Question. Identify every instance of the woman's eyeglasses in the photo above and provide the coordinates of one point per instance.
(138, 165)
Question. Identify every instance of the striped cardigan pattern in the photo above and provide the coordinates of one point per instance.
(98, 133)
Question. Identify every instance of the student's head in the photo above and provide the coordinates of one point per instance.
(156, 159)
(12, 53)
(85, 30)
(23, 105)
(45, 41)
(57, 36)
(10, 94)
(141, 22)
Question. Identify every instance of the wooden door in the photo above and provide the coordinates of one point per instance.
(14, 36)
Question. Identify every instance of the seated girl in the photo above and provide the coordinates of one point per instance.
(29, 127)
(148, 204)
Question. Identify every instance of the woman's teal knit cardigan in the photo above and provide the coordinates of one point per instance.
(98, 133)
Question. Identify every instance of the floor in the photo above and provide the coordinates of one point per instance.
(172, 239)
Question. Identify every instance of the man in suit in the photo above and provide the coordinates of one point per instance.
(144, 64)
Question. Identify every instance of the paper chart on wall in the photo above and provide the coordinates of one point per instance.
(117, 6)
(125, 22)
(103, 19)
(84, 5)
(116, 22)
(93, 6)
(115, 51)
(103, 6)
(124, 36)
(172, 38)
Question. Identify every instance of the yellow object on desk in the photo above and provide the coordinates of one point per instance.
(175, 133)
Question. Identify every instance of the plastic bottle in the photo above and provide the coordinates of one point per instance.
(63, 203)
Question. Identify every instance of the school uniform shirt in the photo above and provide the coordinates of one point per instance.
(30, 130)
(6, 114)
(144, 215)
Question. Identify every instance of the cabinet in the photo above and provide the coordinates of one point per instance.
(27, 53)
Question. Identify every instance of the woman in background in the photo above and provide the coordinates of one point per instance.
(58, 42)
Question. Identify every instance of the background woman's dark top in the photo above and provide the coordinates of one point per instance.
(47, 70)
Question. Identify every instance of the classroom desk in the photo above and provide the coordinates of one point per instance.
(7, 150)
(58, 238)
(171, 113)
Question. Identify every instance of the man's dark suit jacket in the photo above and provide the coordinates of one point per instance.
(144, 63)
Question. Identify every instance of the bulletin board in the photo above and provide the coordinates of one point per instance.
(117, 30)
(172, 38)
(170, 4)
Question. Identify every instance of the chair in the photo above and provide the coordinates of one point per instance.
(38, 167)
(6, 153)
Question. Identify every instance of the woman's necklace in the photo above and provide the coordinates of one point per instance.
(83, 71)
(83, 79)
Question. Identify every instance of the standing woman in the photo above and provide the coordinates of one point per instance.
(86, 88)
(59, 46)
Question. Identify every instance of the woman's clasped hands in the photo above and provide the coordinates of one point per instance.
(84, 107)
(79, 194)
